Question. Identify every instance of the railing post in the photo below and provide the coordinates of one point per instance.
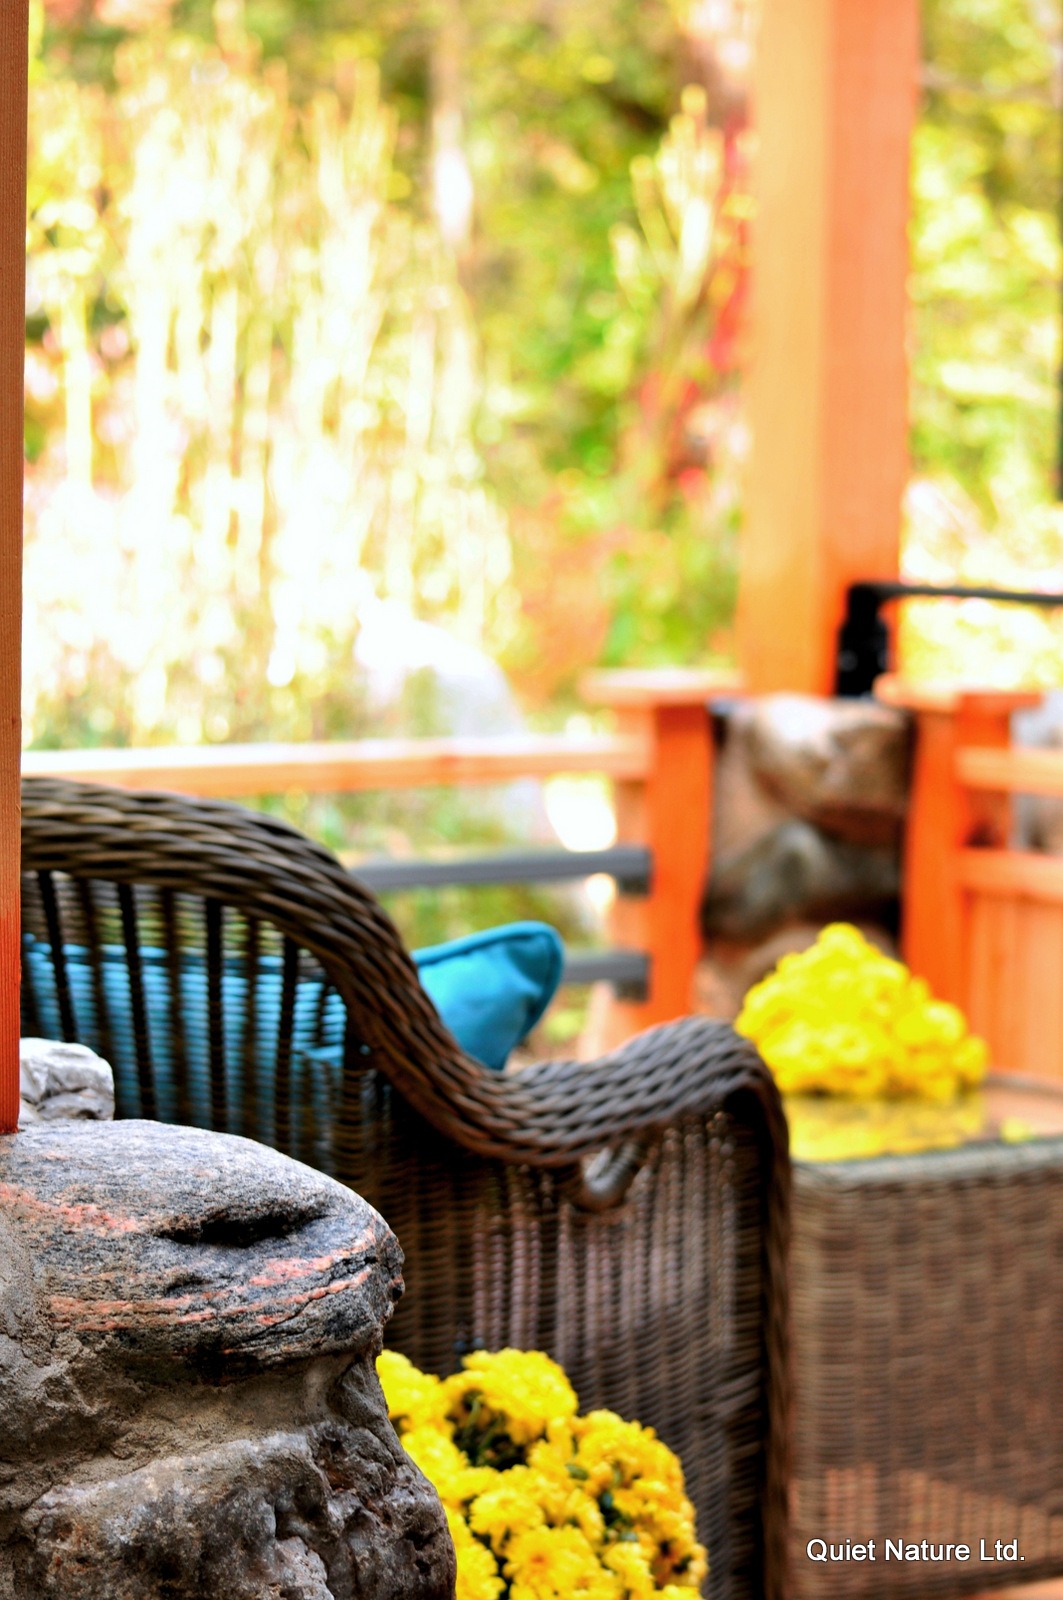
(836, 98)
(670, 812)
(943, 818)
(14, 46)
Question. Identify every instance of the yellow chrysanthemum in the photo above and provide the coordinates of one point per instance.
(842, 1018)
(509, 1507)
(616, 1454)
(524, 1386)
(447, 1467)
(551, 1563)
(591, 1507)
(629, 1563)
(414, 1398)
(554, 1456)
(823, 1129)
(478, 1574)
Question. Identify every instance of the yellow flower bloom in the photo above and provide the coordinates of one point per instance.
(414, 1398)
(591, 1507)
(616, 1454)
(444, 1465)
(509, 1507)
(631, 1567)
(524, 1386)
(478, 1574)
(554, 1563)
(970, 1060)
(842, 1018)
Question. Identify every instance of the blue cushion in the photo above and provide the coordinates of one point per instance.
(317, 1028)
(491, 988)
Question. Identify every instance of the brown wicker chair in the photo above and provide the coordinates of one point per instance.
(628, 1216)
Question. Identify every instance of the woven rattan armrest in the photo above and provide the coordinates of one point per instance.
(560, 1111)
(550, 1115)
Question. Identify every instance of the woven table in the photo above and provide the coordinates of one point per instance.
(927, 1325)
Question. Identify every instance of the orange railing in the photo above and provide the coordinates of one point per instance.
(983, 916)
(659, 761)
(237, 771)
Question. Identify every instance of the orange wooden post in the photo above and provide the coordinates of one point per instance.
(834, 106)
(671, 812)
(14, 47)
(943, 818)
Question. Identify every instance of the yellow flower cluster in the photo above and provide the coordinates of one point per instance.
(829, 1128)
(544, 1504)
(842, 1018)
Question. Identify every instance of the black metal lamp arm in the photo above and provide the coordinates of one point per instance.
(863, 639)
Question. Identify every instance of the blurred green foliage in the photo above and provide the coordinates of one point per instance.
(549, 441)
(988, 192)
(985, 288)
(580, 419)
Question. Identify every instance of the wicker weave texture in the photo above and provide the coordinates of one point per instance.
(629, 1216)
(927, 1332)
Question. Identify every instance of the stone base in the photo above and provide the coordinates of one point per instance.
(188, 1399)
(62, 1081)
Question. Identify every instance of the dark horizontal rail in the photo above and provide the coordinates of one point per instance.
(627, 970)
(898, 589)
(630, 865)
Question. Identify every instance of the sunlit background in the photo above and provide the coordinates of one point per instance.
(365, 331)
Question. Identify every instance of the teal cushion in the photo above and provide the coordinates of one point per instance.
(103, 1014)
(491, 988)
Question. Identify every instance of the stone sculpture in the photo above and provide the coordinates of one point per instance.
(188, 1400)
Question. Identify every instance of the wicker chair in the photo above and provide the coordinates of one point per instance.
(628, 1216)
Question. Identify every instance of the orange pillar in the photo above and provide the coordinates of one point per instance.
(670, 812)
(834, 106)
(13, 58)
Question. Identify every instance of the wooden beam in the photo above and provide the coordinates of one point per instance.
(835, 102)
(642, 687)
(1013, 875)
(894, 690)
(1011, 771)
(236, 771)
(14, 47)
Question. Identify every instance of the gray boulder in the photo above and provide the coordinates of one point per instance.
(798, 873)
(420, 681)
(188, 1399)
(62, 1080)
(840, 764)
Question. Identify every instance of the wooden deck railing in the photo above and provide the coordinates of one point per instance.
(983, 917)
(659, 761)
(241, 770)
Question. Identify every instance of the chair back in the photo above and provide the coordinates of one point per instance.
(235, 977)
